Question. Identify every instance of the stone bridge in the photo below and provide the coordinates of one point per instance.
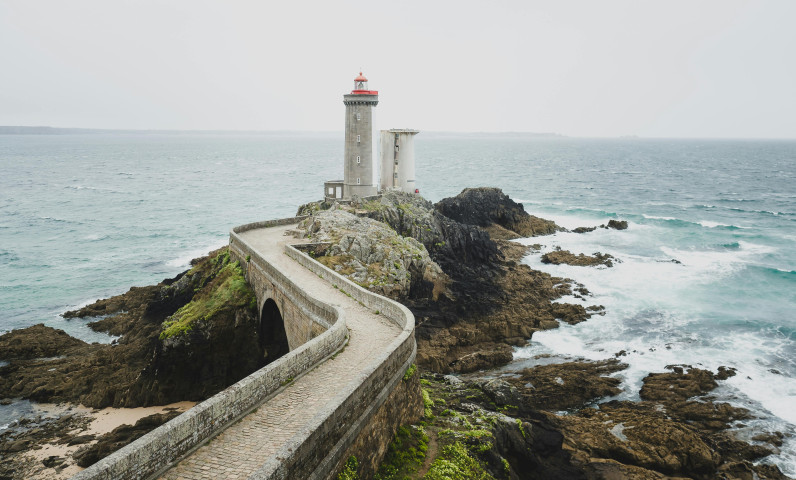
(335, 390)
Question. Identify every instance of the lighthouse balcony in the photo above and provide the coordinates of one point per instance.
(368, 97)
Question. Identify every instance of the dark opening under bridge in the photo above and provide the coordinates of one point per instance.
(297, 416)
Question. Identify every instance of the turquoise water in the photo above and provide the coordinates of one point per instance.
(87, 216)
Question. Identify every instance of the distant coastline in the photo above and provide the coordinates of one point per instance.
(44, 130)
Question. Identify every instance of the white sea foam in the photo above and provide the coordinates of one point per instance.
(653, 217)
(662, 313)
(712, 224)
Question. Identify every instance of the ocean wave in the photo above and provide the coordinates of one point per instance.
(764, 212)
(704, 223)
(592, 210)
(711, 224)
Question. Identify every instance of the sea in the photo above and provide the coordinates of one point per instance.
(705, 273)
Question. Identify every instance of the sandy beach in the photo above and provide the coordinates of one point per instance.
(98, 422)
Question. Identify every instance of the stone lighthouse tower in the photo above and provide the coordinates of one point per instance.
(358, 173)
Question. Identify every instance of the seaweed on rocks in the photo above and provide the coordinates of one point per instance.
(506, 427)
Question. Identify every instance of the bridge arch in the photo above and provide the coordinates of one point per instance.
(271, 332)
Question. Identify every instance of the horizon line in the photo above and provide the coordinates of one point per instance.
(49, 130)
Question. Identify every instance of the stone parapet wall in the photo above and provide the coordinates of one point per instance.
(403, 406)
(268, 223)
(304, 317)
(334, 431)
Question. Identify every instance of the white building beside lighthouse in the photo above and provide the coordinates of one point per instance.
(398, 160)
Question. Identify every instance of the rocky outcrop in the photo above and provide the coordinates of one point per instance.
(557, 257)
(489, 301)
(38, 341)
(564, 386)
(374, 255)
(447, 240)
(615, 224)
(486, 207)
(161, 357)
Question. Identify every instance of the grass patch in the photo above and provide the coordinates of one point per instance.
(350, 468)
(227, 290)
(409, 371)
(427, 404)
(455, 463)
(405, 454)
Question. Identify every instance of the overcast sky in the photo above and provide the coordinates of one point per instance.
(724, 68)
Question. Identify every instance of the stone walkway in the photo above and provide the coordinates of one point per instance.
(242, 448)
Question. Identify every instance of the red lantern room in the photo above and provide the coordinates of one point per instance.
(361, 86)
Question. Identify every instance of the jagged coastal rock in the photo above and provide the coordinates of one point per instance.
(557, 257)
(172, 347)
(483, 302)
(493, 210)
(372, 254)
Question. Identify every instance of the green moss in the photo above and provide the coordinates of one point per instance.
(427, 404)
(226, 290)
(374, 206)
(409, 371)
(519, 425)
(350, 468)
(405, 454)
(506, 467)
(455, 463)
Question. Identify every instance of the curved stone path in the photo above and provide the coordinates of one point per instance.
(241, 449)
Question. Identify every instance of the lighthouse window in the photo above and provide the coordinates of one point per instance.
(358, 139)
(359, 159)
(359, 116)
(358, 181)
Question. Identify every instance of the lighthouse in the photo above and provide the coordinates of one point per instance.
(358, 173)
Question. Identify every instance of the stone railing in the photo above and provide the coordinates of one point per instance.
(314, 452)
(161, 447)
(260, 272)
